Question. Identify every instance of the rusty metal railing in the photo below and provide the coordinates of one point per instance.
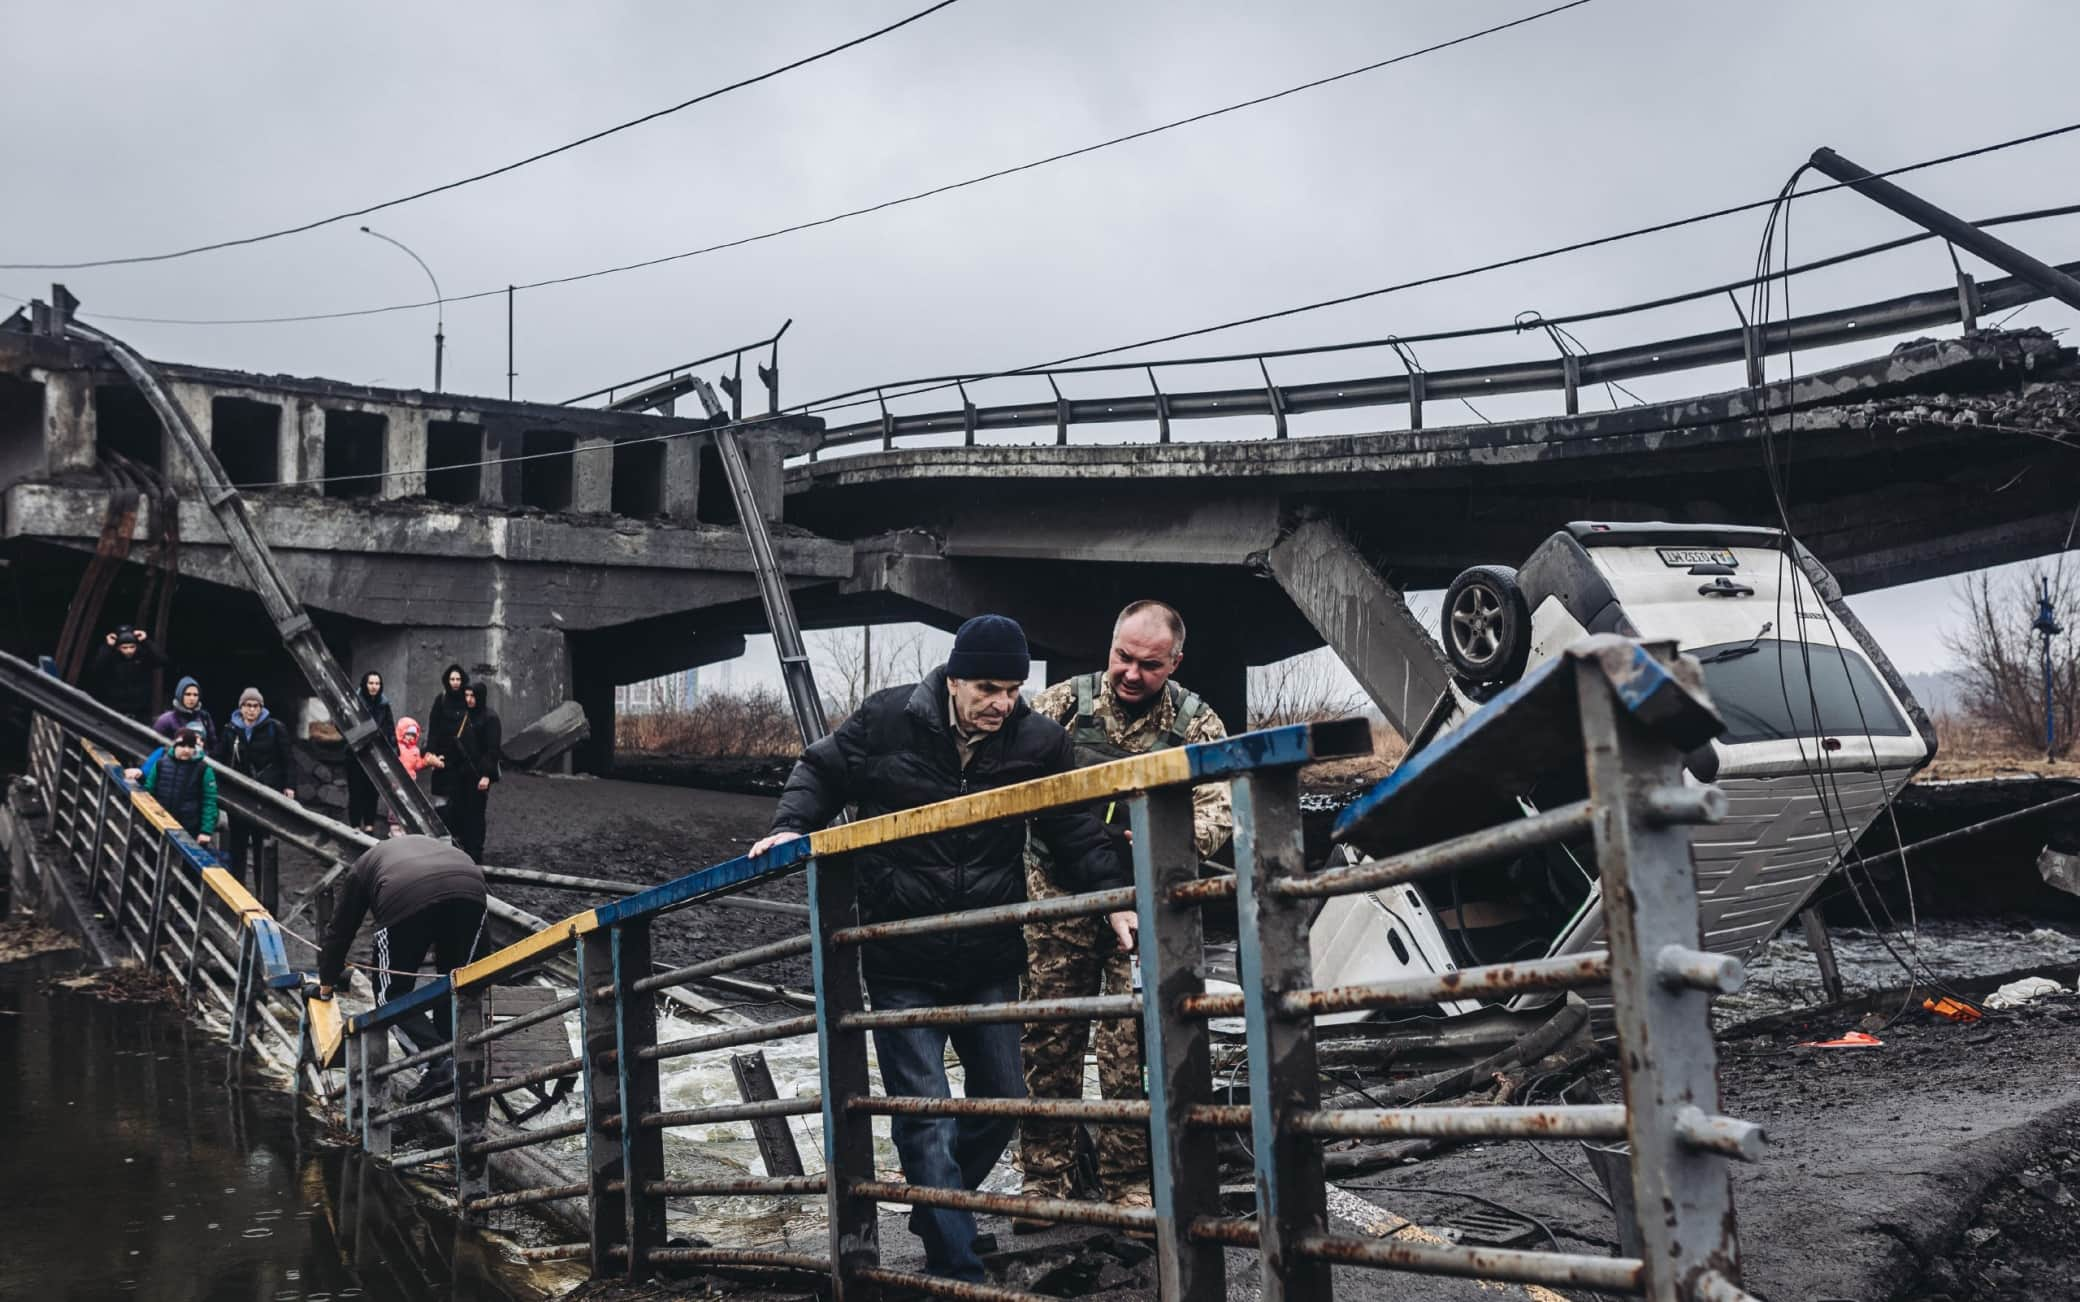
(1626, 712)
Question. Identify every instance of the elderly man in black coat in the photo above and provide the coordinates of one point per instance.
(963, 729)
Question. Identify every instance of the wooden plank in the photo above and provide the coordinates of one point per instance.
(530, 1047)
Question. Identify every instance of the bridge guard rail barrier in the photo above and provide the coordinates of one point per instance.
(173, 905)
(1625, 712)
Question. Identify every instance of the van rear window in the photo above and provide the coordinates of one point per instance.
(1764, 694)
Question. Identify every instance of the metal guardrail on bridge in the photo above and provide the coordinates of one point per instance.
(1629, 712)
(1567, 371)
(170, 903)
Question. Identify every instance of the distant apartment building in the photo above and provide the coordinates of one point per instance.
(672, 692)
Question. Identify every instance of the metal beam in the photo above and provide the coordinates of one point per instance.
(1958, 231)
(1364, 620)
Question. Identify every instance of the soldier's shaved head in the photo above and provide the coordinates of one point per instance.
(1147, 644)
(1165, 615)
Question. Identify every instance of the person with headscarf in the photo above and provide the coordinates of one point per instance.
(470, 765)
(361, 789)
(187, 712)
(444, 718)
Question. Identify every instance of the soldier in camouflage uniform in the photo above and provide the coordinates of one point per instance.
(1131, 708)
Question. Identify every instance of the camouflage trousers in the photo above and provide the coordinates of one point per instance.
(1078, 957)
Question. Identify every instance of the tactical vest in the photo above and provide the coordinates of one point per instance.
(1095, 746)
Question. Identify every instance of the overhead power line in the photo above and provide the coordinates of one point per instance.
(472, 179)
(848, 214)
(847, 399)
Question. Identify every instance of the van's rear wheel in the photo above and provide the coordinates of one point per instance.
(1487, 626)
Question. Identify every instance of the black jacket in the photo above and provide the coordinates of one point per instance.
(443, 717)
(395, 880)
(261, 753)
(377, 709)
(124, 684)
(896, 752)
(472, 749)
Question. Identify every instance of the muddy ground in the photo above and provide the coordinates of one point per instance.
(643, 833)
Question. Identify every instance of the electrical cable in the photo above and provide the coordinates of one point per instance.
(1301, 309)
(900, 387)
(885, 204)
(472, 179)
(1825, 781)
(845, 400)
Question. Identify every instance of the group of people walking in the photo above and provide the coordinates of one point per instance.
(459, 747)
(967, 728)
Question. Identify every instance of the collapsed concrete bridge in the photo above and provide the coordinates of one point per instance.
(562, 551)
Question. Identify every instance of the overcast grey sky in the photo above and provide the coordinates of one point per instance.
(140, 127)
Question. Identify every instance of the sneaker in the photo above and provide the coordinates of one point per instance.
(431, 1086)
(1054, 1185)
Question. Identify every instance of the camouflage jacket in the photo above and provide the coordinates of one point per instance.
(1212, 815)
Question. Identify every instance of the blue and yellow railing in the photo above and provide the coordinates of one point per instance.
(173, 906)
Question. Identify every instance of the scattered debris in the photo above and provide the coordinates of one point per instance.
(1953, 1009)
(547, 738)
(128, 984)
(1849, 1040)
(20, 940)
(2017, 993)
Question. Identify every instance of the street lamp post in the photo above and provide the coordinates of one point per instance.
(439, 304)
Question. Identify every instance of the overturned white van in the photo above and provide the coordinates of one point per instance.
(1820, 732)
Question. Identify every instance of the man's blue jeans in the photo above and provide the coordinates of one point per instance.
(948, 1152)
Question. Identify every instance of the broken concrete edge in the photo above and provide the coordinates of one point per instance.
(548, 737)
(1932, 1225)
(21, 350)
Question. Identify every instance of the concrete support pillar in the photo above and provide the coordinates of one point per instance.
(592, 476)
(682, 479)
(1364, 620)
(404, 453)
(68, 421)
(528, 670)
(194, 400)
(763, 460)
(501, 485)
(303, 456)
(288, 449)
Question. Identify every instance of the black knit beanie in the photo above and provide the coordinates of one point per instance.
(992, 647)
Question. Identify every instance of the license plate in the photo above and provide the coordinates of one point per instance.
(1686, 556)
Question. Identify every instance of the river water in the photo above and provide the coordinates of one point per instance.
(130, 1169)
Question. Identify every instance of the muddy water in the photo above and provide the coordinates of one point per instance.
(128, 1169)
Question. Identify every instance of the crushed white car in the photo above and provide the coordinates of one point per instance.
(1820, 732)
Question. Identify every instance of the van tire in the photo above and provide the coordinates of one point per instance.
(1487, 626)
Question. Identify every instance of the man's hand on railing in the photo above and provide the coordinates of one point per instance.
(133, 775)
(1126, 926)
(202, 839)
(776, 838)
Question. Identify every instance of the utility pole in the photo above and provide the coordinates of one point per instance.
(2047, 627)
(509, 343)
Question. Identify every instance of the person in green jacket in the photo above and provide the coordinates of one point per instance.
(183, 783)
